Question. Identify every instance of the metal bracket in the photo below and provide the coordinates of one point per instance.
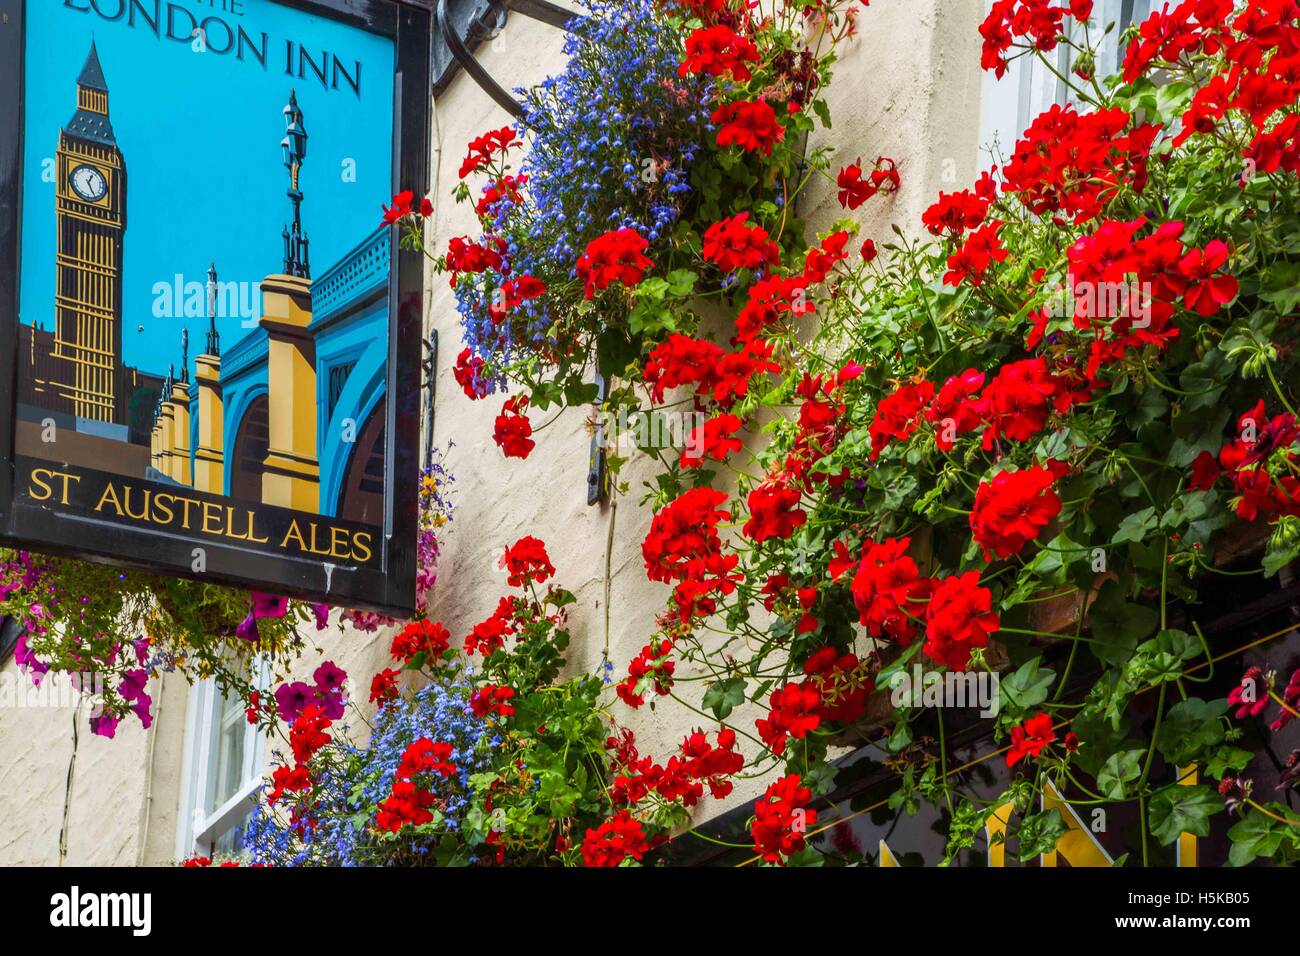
(464, 24)
(430, 387)
(597, 470)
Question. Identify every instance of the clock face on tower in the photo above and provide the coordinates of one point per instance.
(88, 183)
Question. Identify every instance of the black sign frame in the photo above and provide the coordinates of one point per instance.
(387, 584)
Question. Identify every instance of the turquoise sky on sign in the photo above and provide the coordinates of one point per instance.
(200, 136)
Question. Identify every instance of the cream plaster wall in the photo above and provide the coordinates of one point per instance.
(908, 87)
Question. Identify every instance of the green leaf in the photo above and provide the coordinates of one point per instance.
(725, 696)
(823, 112)
(1027, 687)
(1190, 727)
(1119, 770)
(1039, 833)
(1135, 526)
(1117, 625)
(681, 282)
(1181, 809)
(1254, 836)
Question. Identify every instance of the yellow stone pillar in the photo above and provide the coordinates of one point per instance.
(291, 471)
(165, 435)
(209, 456)
(181, 434)
(155, 443)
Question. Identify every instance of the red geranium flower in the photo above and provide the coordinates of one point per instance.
(959, 619)
(383, 686)
(615, 256)
(513, 431)
(734, 244)
(793, 712)
(781, 820)
(714, 439)
(898, 415)
(718, 51)
(889, 591)
(1207, 290)
(527, 562)
(751, 126)
(420, 637)
(1030, 739)
(492, 699)
(773, 512)
(1012, 509)
(614, 841)
(483, 148)
(400, 209)
(468, 373)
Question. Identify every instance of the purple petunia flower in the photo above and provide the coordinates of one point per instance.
(329, 677)
(290, 699)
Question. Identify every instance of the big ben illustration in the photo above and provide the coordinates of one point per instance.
(91, 210)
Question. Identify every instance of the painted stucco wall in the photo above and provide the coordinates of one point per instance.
(908, 87)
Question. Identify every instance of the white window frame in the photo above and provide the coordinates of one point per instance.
(199, 827)
(1028, 88)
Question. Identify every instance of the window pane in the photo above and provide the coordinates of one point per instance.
(228, 766)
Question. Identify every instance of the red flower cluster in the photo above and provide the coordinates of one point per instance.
(507, 187)
(306, 737)
(402, 207)
(614, 841)
(513, 432)
(420, 637)
(483, 149)
(820, 260)
(492, 699)
(1037, 21)
(955, 213)
(955, 411)
(773, 511)
(468, 372)
(793, 712)
(822, 423)
(1245, 461)
(383, 686)
(842, 682)
(409, 802)
(1167, 35)
(697, 764)
(1019, 399)
(723, 376)
(898, 415)
(514, 293)
(527, 562)
(835, 690)
(615, 256)
(715, 439)
(489, 636)
(768, 300)
(735, 244)
(683, 545)
(719, 51)
(980, 250)
(781, 819)
(958, 619)
(854, 190)
(1030, 739)
(889, 591)
(1013, 508)
(425, 756)
(1073, 163)
(474, 257)
(653, 662)
(751, 126)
